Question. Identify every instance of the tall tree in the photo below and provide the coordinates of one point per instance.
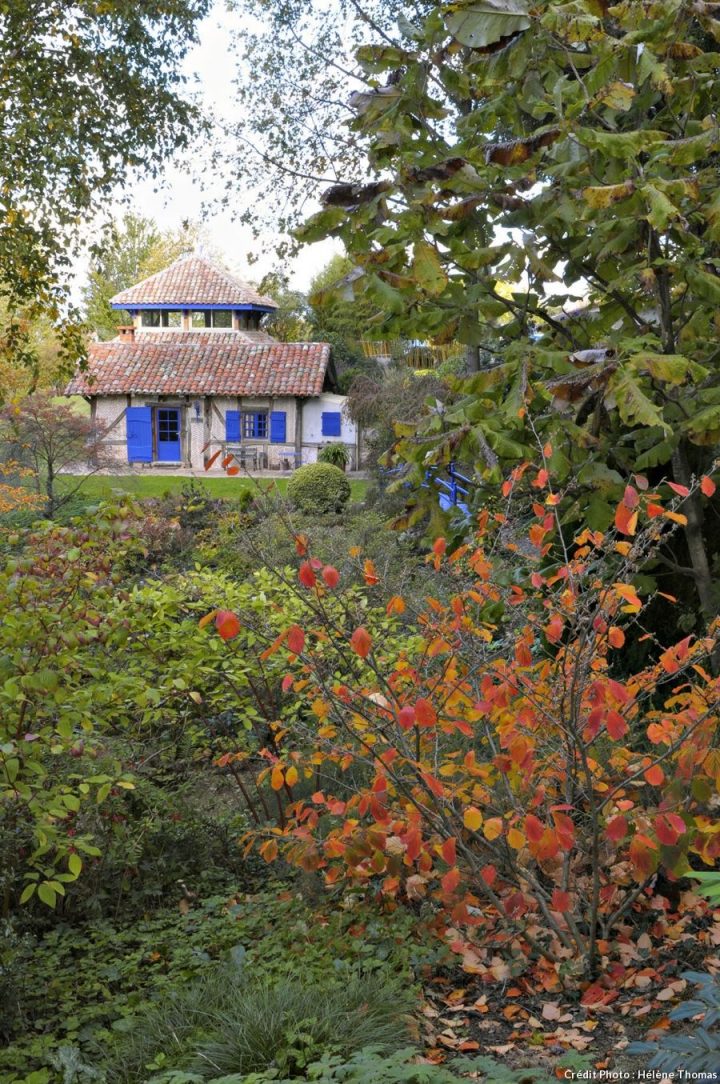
(544, 147)
(96, 89)
(133, 250)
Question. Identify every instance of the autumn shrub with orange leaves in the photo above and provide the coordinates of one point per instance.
(492, 754)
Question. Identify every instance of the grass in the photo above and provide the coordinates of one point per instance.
(158, 485)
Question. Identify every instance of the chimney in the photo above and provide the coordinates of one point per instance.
(126, 333)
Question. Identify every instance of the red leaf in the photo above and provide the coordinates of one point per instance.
(295, 639)
(450, 881)
(331, 576)
(669, 827)
(287, 682)
(301, 544)
(361, 642)
(534, 828)
(448, 852)
(554, 629)
(616, 829)
(630, 497)
(682, 491)
(306, 575)
(439, 547)
(616, 725)
(560, 901)
(707, 486)
(227, 624)
(406, 717)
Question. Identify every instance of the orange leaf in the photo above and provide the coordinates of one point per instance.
(269, 850)
(616, 636)
(434, 785)
(625, 519)
(560, 901)
(425, 713)
(450, 881)
(277, 778)
(654, 775)
(677, 517)
(361, 642)
(554, 628)
(396, 605)
(370, 573)
(301, 544)
(207, 619)
(707, 486)
(227, 624)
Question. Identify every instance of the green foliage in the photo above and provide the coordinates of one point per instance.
(289, 323)
(224, 1024)
(130, 970)
(333, 316)
(53, 688)
(337, 454)
(98, 92)
(584, 139)
(319, 487)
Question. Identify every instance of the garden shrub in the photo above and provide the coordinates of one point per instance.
(337, 454)
(476, 789)
(319, 487)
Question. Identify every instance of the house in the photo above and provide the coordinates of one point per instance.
(196, 374)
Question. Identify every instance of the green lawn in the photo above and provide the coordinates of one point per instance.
(153, 485)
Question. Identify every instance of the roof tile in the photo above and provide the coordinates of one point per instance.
(192, 281)
(201, 363)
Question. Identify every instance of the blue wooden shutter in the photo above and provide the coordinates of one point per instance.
(232, 425)
(278, 420)
(139, 434)
(331, 423)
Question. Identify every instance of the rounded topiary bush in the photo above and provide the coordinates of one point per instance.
(319, 487)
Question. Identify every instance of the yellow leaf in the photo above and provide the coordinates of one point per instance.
(291, 776)
(515, 839)
(492, 828)
(472, 818)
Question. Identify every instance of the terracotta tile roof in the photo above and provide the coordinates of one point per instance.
(192, 281)
(198, 363)
(166, 335)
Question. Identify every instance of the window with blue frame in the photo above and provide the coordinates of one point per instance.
(254, 425)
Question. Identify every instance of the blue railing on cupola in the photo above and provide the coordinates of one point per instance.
(453, 491)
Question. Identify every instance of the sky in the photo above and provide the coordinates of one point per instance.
(211, 66)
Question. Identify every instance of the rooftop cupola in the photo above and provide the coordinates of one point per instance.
(194, 294)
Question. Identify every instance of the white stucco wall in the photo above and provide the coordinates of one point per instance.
(313, 439)
(203, 437)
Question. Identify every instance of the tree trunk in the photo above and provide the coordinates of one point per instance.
(472, 359)
(692, 508)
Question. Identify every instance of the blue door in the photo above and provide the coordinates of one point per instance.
(168, 434)
(139, 434)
